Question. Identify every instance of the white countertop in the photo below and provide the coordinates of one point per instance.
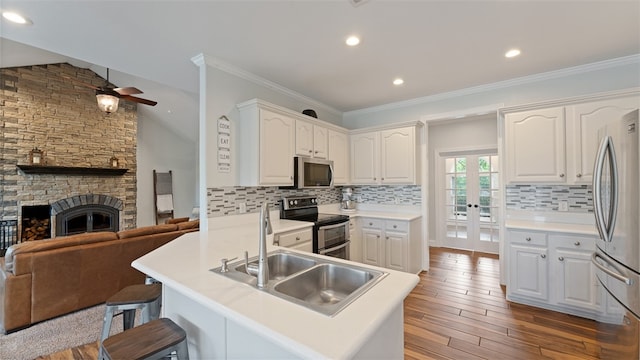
(184, 265)
(379, 212)
(581, 229)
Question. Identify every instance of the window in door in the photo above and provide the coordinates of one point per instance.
(471, 202)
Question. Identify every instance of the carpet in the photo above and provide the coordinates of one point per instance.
(64, 332)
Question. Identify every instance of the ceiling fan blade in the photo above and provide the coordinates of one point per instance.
(127, 91)
(80, 82)
(139, 100)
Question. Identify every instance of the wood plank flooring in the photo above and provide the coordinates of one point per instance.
(459, 311)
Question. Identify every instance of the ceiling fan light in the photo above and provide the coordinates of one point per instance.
(107, 103)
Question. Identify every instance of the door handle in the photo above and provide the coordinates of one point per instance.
(468, 205)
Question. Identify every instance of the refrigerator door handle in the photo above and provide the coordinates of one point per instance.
(616, 275)
(605, 228)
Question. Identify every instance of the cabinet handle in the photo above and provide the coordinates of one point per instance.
(561, 258)
(370, 224)
(561, 175)
(543, 256)
(387, 238)
(578, 175)
(316, 151)
(395, 226)
(577, 243)
(528, 238)
(297, 238)
(382, 179)
(378, 236)
(374, 179)
(310, 151)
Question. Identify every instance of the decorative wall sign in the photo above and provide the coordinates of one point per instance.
(224, 144)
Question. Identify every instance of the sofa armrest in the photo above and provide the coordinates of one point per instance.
(15, 300)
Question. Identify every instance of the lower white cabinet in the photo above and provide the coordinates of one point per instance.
(393, 244)
(355, 248)
(295, 239)
(553, 271)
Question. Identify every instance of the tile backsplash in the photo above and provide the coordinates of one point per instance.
(579, 198)
(226, 200)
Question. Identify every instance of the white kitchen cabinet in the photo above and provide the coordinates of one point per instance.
(534, 146)
(311, 140)
(528, 266)
(266, 146)
(355, 249)
(338, 152)
(387, 243)
(576, 282)
(385, 157)
(364, 158)
(583, 123)
(295, 239)
(558, 144)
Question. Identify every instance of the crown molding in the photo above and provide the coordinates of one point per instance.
(606, 64)
(241, 73)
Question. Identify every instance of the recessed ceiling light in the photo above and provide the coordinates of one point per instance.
(398, 81)
(15, 18)
(512, 53)
(352, 40)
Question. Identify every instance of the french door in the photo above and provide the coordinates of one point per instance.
(469, 203)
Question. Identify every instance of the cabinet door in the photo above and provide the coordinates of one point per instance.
(528, 271)
(535, 146)
(583, 123)
(398, 153)
(364, 158)
(277, 138)
(320, 135)
(371, 249)
(396, 250)
(338, 151)
(575, 279)
(304, 138)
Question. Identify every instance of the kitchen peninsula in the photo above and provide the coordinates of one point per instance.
(227, 319)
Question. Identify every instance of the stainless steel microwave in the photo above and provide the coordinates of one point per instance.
(312, 173)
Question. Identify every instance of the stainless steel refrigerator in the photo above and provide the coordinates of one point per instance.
(616, 201)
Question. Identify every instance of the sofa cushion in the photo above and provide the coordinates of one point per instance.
(193, 224)
(147, 230)
(55, 243)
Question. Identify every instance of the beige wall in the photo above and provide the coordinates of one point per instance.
(41, 107)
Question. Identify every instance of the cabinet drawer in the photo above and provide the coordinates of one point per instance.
(294, 237)
(396, 225)
(372, 223)
(587, 243)
(528, 237)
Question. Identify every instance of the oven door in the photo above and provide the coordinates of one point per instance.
(332, 235)
(341, 251)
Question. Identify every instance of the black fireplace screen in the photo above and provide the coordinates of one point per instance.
(86, 218)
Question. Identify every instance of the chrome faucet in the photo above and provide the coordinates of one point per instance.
(262, 272)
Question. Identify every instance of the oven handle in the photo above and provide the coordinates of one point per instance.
(334, 226)
(343, 245)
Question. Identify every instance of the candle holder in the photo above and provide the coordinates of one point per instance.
(114, 162)
(36, 156)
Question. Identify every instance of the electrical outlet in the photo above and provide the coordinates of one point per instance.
(563, 205)
(242, 208)
(396, 200)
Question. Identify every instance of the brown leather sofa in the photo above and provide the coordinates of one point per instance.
(40, 280)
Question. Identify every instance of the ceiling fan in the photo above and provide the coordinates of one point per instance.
(108, 97)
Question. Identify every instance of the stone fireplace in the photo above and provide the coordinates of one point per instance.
(41, 108)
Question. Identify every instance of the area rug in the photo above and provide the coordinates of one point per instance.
(68, 331)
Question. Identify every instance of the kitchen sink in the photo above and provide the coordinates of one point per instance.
(317, 283)
(281, 265)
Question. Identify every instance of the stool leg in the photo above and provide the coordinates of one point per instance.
(128, 318)
(183, 350)
(106, 327)
(154, 310)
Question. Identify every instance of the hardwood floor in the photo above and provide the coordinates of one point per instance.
(459, 311)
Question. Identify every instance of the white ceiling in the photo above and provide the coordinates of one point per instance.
(436, 46)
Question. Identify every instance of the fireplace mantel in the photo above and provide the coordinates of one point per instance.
(71, 170)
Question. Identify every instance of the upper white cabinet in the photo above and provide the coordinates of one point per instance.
(338, 151)
(269, 136)
(534, 142)
(558, 144)
(583, 123)
(385, 157)
(311, 140)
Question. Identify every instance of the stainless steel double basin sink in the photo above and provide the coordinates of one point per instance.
(316, 283)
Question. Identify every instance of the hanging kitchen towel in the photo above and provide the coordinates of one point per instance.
(164, 203)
